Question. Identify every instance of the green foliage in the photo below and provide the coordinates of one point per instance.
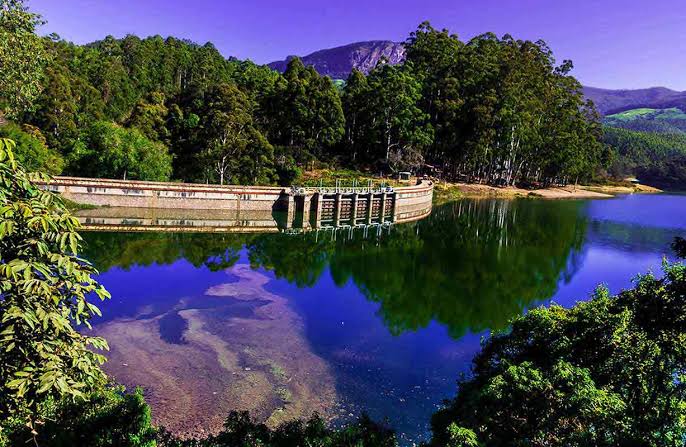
(393, 127)
(606, 372)
(31, 150)
(653, 158)
(125, 250)
(232, 149)
(22, 58)
(109, 417)
(158, 87)
(461, 437)
(150, 117)
(45, 290)
(111, 151)
(241, 430)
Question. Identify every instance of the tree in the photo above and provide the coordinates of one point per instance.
(435, 57)
(112, 151)
(501, 110)
(46, 291)
(397, 127)
(31, 150)
(606, 372)
(57, 109)
(305, 110)
(354, 103)
(150, 117)
(234, 149)
(657, 158)
(22, 58)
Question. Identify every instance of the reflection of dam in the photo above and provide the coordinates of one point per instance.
(160, 219)
(337, 213)
(136, 206)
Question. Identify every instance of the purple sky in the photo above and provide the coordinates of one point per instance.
(613, 43)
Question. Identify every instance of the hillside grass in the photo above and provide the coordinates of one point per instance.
(648, 113)
(660, 121)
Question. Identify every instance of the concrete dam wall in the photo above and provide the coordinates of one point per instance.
(301, 208)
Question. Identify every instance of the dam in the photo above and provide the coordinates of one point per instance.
(124, 205)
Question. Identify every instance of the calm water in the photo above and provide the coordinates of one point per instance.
(386, 323)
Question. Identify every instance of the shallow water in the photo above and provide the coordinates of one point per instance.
(383, 324)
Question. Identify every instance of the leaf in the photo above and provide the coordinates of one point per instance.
(73, 242)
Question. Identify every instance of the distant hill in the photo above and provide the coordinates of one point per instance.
(672, 120)
(611, 102)
(657, 159)
(337, 63)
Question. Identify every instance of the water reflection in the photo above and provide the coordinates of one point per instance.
(471, 266)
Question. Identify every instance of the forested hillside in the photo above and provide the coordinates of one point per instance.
(672, 120)
(495, 110)
(654, 158)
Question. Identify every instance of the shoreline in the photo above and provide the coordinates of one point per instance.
(444, 191)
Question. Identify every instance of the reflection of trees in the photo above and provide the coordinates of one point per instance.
(216, 251)
(631, 237)
(299, 259)
(471, 265)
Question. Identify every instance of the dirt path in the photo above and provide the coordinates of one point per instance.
(567, 192)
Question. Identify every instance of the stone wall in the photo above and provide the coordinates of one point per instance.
(138, 194)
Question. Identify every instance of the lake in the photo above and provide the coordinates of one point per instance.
(340, 323)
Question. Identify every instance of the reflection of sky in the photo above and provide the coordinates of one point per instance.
(647, 210)
(608, 266)
(155, 288)
(397, 378)
(627, 236)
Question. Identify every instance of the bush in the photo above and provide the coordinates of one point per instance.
(31, 150)
(111, 151)
(241, 430)
(607, 372)
(109, 417)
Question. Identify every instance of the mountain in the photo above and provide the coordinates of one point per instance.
(337, 63)
(611, 102)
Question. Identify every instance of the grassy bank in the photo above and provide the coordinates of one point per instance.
(74, 206)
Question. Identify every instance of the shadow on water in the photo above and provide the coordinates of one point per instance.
(172, 326)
